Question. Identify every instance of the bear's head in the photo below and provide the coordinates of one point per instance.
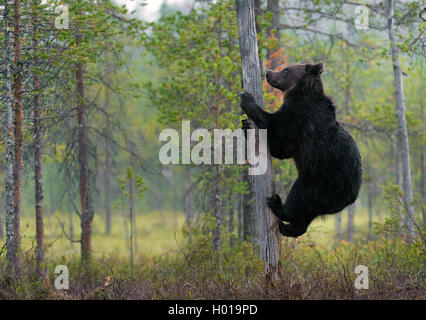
(287, 78)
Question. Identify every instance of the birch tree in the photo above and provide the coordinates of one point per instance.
(402, 123)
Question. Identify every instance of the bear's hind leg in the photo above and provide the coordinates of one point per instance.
(299, 208)
(291, 229)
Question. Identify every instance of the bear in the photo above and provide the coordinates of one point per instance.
(305, 129)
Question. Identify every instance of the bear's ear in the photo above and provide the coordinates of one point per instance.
(315, 69)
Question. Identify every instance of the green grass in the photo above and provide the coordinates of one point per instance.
(156, 234)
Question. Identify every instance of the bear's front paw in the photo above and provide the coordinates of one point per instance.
(247, 101)
(275, 204)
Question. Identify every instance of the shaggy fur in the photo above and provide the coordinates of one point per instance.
(305, 129)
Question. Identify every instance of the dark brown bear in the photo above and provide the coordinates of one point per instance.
(305, 129)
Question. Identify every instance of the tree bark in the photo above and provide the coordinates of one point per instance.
(85, 201)
(268, 234)
(402, 124)
(38, 147)
(19, 116)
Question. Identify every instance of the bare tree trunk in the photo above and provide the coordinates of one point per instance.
(351, 214)
(402, 124)
(38, 147)
(85, 201)
(19, 116)
(268, 234)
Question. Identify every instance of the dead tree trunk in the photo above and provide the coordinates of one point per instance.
(38, 162)
(402, 124)
(268, 234)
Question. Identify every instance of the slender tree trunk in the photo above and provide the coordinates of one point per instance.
(108, 138)
(351, 214)
(132, 224)
(402, 124)
(268, 234)
(85, 201)
(10, 146)
(19, 116)
(38, 147)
